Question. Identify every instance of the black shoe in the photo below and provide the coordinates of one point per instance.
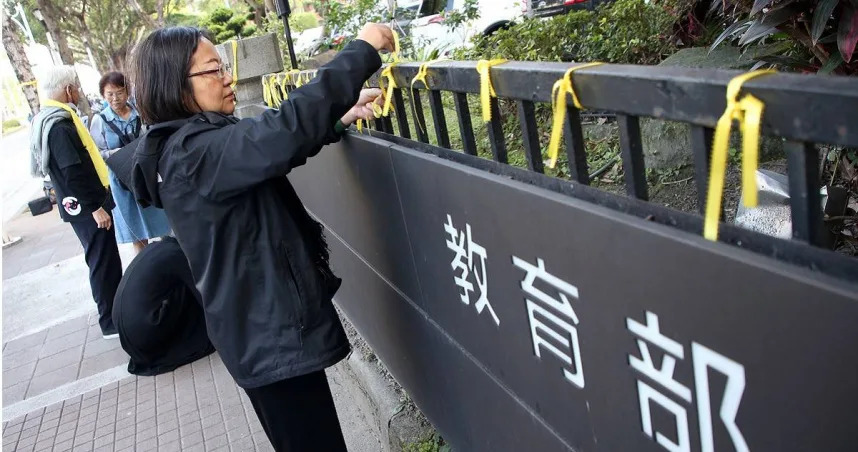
(110, 333)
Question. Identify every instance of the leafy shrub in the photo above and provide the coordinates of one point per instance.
(225, 25)
(826, 31)
(219, 15)
(625, 31)
(349, 16)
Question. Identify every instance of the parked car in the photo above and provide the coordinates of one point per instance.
(428, 28)
(545, 8)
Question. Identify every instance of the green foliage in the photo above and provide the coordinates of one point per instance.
(470, 11)
(225, 25)
(625, 31)
(432, 444)
(186, 20)
(348, 17)
(219, 15)
(299, 22)
(235, 24)
(823, 34)
(11, 124)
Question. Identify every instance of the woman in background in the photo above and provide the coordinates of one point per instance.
(115, 126)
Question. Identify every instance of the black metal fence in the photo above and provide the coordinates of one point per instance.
(509, 303)
(802, 110)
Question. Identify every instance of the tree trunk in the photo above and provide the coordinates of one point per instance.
(139, 10)
(270, 7)
(118, 59)
(53, 26)
(20, 63)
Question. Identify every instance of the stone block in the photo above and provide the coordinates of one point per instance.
(257, 56)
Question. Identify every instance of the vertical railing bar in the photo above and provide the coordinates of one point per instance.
(530, 135)
(496, 138)
(401, 114)
(632, 153)
(466, 128)
(419, 118)
(804, 185)
(575, 149)
(701, 150)
(387, 125)
(436, 106)
(379, 126)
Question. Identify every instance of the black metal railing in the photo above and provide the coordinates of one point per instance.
(803, 110)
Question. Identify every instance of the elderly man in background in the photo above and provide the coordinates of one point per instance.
(61, 147)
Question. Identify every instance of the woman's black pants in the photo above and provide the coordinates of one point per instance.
(298, 414)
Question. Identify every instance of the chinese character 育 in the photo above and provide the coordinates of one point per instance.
(464, 264)
(552, 319)
(703, 359)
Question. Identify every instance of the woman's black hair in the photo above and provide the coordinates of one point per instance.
(160, 68)
(111, 78)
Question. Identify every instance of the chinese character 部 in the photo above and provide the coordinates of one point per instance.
(469, 260)
(668, 390)
(552, 319)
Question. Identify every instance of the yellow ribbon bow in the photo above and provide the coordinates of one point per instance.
(86, 138)
(748, 111)
(487, 91)
(562, 88)
(422, 73)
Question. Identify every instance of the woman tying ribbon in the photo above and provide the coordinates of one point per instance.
(259, 260)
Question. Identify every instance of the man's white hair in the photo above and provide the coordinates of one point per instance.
(57, 78)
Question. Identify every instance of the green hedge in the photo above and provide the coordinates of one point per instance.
(625, 31)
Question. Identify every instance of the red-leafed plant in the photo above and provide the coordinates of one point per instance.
(826, 29)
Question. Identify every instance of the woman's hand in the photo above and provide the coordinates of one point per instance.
(363, 108)
(378, 36)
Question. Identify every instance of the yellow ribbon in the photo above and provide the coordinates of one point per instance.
(487, 91)
(387, 73)
(266, 90)
(562, 88)
(422, 73)
(234, 64)
(86, 138)
(31, 82)
(283, 91)
(749, 112)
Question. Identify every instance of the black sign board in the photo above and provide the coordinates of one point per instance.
(522, 319)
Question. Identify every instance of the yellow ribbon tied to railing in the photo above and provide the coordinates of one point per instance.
(266, 90)
(562, 88)
(422, 73)
(748, 111)
(387, 74)
(487, 90)
(281, 85)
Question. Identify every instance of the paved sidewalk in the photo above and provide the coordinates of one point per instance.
(65, 388)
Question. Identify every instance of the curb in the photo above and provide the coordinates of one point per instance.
(395, 418)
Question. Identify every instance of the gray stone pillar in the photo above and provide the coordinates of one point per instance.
(257, 56)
